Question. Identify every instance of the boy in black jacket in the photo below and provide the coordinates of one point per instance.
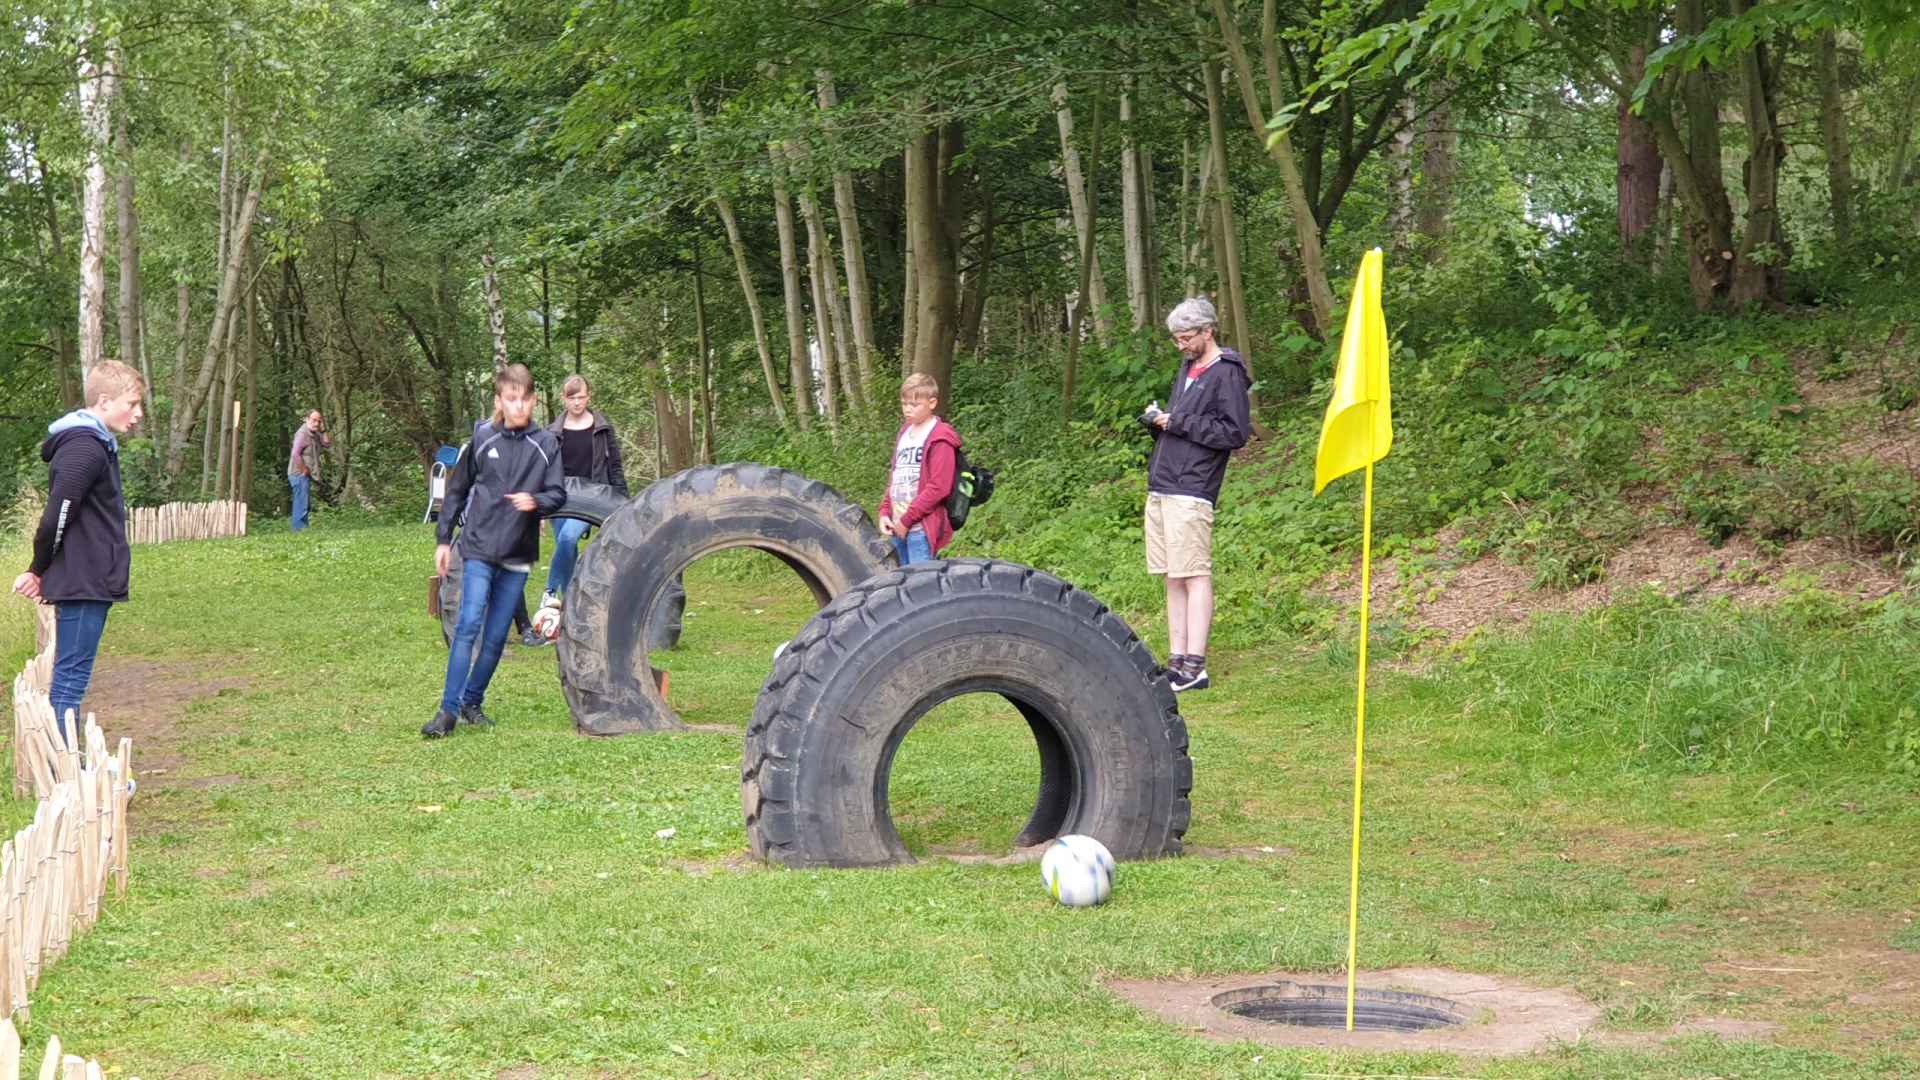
(509, 476)
(80, 554)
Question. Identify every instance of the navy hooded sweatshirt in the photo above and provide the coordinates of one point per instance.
(80, 550)
(1206, 422)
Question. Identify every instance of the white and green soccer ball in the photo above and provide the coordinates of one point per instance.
(1078, 871)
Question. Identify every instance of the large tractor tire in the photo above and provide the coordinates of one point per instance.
(593, 504)
(830, 542)
(848, 688)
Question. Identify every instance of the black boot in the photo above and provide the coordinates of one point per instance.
(441, 724)
(471, 714)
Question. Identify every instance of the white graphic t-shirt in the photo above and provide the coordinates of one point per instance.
(908, 455)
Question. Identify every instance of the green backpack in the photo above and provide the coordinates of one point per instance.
(972, 485)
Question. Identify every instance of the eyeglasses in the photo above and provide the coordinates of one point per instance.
(1187, 337)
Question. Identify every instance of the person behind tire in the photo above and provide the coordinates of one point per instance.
(1206, 419)
(913, 510)
(507, 479)
(589, 450)
(81, 560)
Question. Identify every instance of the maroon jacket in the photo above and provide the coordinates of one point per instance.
(929, 506)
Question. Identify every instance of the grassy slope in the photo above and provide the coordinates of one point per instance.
(318, 893)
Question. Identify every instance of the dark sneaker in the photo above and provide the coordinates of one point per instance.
(1183, 680)
(531, 638)
(471, 714)
(441, 724)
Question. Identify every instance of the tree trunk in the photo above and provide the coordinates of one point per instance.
(186, 405)
(1400, 177)
(1306, 228)
(250, 416)
(96, 96)
(1439, 143)
(909, 282)
(1897, 170)
(819, 261)
(1697, 170)
(1759, 265)
(853, 252)
(705, 371)
(66, 362)
(973, 293)
(1082, 214)
(827, 310)
(1083, 295)
(797, 359)
(496, 311)
(932, 198)
(1134, 228)
(1637, 165)
(1833, 133)
(752, 295)
(676, 440)
(1232, 286)
(131, 346)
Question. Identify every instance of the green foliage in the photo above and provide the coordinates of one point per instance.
(1658, 683)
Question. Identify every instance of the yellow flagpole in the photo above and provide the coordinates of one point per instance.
(1359, 735)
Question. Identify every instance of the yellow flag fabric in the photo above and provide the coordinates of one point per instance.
(1359, 426)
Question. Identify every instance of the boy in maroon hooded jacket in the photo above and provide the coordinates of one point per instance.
(913, 511)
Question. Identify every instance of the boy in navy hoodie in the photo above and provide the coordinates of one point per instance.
(80, 554)
(509, 477)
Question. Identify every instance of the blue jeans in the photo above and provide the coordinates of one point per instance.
(487, 594)
(300, 486)
(567, 534)
(913, 549)
(76, 641)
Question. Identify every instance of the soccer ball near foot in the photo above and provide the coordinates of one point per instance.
(1078, 871)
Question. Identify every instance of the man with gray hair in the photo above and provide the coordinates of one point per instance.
(1206, 419)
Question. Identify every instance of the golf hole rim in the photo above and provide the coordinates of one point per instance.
(1311, 1005)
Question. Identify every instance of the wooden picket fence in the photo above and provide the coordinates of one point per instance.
(186, 521)
(55, 871)
(54, 1065)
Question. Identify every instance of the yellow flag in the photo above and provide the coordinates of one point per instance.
(1359, 425)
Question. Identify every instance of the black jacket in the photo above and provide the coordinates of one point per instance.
(80, 550)
(497, 462)
(1205, 424)
(606, 451)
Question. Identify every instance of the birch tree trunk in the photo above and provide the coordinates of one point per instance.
(1134, 227)
(1833, 133)
(96, 96)
(853, 252)
(1082, 215)
(774, 394)
(704, 372)
(1306, 228)
(797, 358)
(496, 312)
(1082, 296)
(132, 348)
(1400, 178)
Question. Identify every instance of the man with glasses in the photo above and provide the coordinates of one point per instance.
(1206, 419)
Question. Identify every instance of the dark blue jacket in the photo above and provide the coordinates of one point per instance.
(1206, 422)
(80, 550)
(496, 463)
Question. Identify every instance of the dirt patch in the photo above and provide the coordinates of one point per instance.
(144, 700)
(1833, 961)
(1510, 1017)
(1448, 596)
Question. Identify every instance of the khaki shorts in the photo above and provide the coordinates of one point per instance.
(1179, 536)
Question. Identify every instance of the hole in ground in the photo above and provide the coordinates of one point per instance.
(1315, 1006)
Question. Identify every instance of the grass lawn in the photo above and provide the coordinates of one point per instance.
(318, 893)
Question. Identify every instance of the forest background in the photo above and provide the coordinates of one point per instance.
(1624, 241)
